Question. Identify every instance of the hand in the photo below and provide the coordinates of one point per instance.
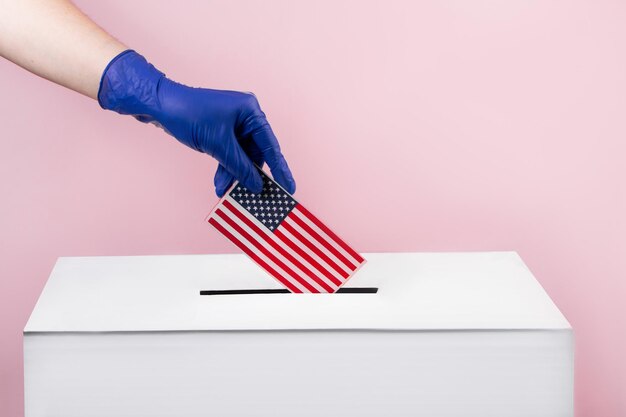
(227, 125)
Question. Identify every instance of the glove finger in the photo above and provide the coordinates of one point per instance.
(223, 180)
(253, 151)
(267, 143)
(240, 166)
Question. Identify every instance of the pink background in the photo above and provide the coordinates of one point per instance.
(472, 125)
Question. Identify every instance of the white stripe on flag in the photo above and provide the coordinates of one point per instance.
(313, 255)
(314, 241)
(260, 254)
(323, 234)
(314, 270)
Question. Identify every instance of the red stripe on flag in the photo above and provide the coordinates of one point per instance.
(314, 248)
(266, 252)
(320, 239)
(326, 230)
(306, 256)
(276, 246)
(252, 255)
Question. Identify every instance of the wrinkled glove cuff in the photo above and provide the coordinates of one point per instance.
(129, 85)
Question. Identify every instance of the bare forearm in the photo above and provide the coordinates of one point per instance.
(55, 40)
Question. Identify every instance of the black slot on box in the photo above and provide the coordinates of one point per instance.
(364, 290)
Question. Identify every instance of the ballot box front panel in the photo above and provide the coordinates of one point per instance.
(300, 373)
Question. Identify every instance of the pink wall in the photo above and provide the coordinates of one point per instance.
(479, 124)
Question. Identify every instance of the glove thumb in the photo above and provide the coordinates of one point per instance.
(239, 165)
(222, 180)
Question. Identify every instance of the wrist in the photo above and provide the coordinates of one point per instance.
(129, 85)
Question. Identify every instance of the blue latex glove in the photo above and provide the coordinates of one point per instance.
(227, 125)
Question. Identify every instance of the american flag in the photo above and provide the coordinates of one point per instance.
(285, 239)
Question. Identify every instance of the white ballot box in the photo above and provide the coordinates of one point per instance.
(445, 334)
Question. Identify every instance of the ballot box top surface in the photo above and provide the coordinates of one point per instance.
(416, 291)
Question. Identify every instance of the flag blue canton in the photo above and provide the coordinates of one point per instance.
(270, 207)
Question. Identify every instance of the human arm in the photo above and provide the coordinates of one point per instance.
(55, 40)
